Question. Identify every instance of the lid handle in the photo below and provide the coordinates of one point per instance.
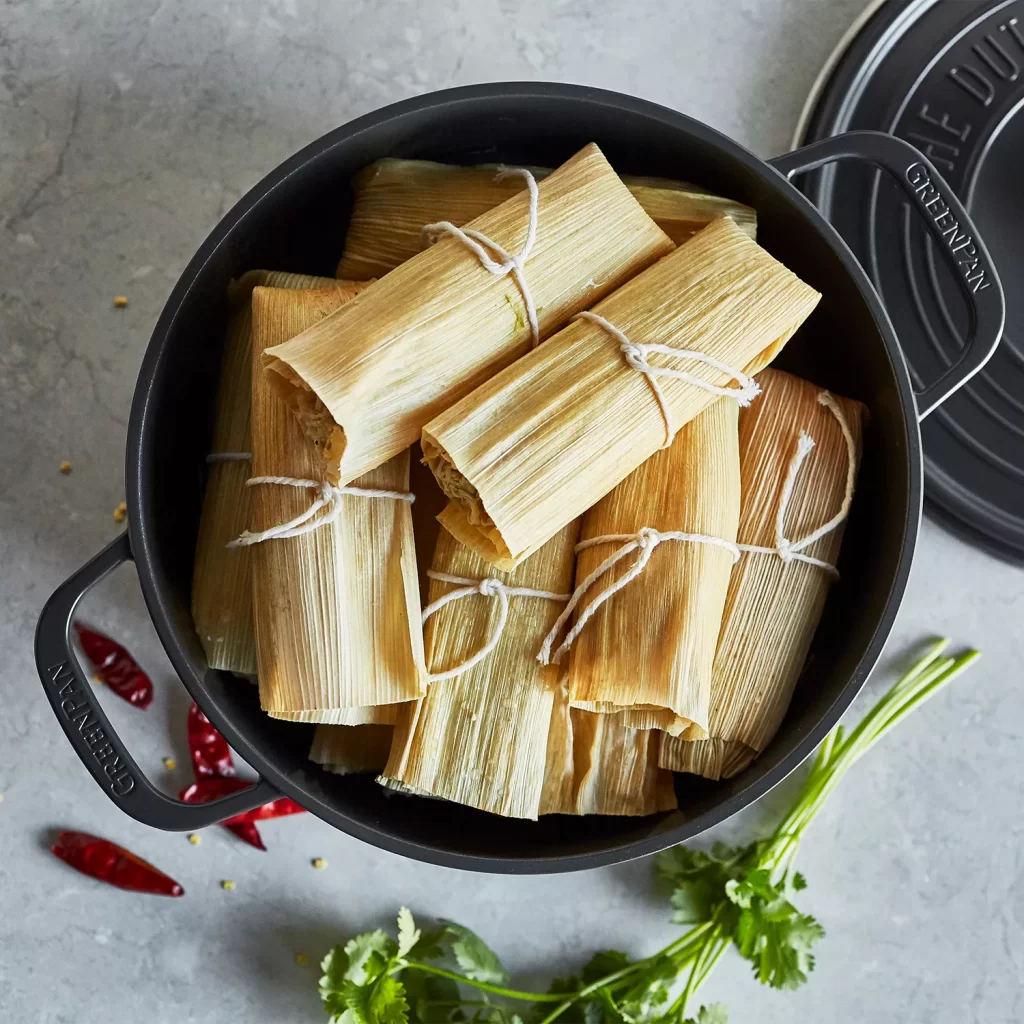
(949, 225)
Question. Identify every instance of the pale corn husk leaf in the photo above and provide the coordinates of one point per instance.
(336, 610)
(652, 643)
(395, 198)
(365, 380)
(772, 609)
(221, 579)
(597, 766)
(379, 714)
(558, 792)
(546, 438)
(711, 758)
(351, 749)
(481, 738)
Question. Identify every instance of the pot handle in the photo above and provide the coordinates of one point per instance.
(74, 703)
(951, 228)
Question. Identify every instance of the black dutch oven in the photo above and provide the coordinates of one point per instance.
(295, 220)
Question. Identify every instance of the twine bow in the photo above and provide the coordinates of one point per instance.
(487, 587)
(636, 355)
(643, 542)
(327, 498)
(793, 551)
(507, 263)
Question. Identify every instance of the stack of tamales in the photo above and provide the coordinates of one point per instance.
(642, 522)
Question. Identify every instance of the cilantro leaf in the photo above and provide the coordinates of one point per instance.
(387, 1004)
(408, 933)
(368, 955)
(713, 1014)
(357, 1003)
(476, 959)
(432, 1000)
(602, 964)
(332, 982)
(798, 881)
(693, 901)
(430, 945)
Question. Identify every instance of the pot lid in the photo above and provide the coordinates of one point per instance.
(948, 77)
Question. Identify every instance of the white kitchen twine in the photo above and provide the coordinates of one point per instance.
(792, 551)
(636, 353)
(328, 497)
(479, 243)
(645, 540)
(487, 587)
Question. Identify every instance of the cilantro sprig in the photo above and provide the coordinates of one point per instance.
(729, 896)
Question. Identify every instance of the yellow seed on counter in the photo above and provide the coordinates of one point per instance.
(170, 764)
(120, 301)
(97, 678)
(227, 884)
(65, 467)
(319, 862)
(301, 959)
(121, 513)
(194, 839)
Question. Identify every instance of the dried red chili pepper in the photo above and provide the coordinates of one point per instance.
(205, 790)
(116, 667)
(212, 761)
(279, 808)
(211, 755)
(247, 832)
(99, 858)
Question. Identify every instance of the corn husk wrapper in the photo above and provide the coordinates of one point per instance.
(221, 580)
(481, 738)
(651, 645)
(337, 609)
(598, 766)
(365, 380)
(351, 749)
(772, 609)
(545, 439)
(395, 198)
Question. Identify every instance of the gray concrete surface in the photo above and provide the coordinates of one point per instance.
(126, 130)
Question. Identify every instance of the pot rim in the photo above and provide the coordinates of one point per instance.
(144, 554)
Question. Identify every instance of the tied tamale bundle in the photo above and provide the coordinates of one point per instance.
(543, 440)
(352, 749)
(480, 737)
(647, 651)
(394, 199)
(365, 380)
(598, 766)
(336, 608)
(773, 605)
(221, 588)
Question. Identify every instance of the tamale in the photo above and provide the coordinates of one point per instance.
(221, 588)
(651, 644)
(337, 608)
(546, 438)
(598, 766)
(480, 738)
(773, 607)
(351, 749)
(365, 380)
(394, 199)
